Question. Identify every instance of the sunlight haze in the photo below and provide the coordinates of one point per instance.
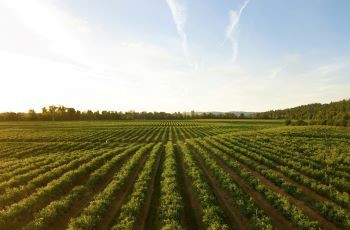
(173, 55)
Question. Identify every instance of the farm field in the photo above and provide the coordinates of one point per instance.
(196, 174)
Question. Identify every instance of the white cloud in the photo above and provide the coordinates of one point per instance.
(231, 29)
(179, 14)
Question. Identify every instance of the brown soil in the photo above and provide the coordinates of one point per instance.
(63, 220)
(192, 217)
(27, 217)
(307, 191)
(232, 214)
(114, 209)
(308, 211)
(278, 220)
(150, 206)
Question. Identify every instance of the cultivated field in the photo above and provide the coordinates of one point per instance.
(205, 174)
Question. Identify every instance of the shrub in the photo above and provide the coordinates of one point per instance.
(288, 122)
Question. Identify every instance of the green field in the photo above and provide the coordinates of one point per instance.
(196, 174)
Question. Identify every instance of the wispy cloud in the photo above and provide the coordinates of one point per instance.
(231, 29)
(179, 14)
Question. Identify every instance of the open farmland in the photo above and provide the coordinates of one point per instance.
(198, 174)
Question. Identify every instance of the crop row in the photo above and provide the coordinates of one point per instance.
(129, 210)
(11, 215)
(330, 210)
(55, 209)
(171, 205)
(326, 175)
(245, 203)
(212, 214)
(92, 215)
(289, 169)
(277, 200)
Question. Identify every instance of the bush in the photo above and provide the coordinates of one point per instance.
(300, 123)
(330, 122)
(288, 122)
(342, 123)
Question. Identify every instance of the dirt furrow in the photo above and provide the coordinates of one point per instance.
(192, 208)
(78, 206)
(278, 220)
(232, 214)
(148, 208)
(121, 197)
(308, 211)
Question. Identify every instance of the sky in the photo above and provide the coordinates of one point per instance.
(173, 55)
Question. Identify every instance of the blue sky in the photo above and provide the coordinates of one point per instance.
(173, 55)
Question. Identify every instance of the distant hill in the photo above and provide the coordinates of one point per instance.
(339, 110)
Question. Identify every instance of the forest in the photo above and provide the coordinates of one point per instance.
(62, 113)
(334, 113)
(339, 110)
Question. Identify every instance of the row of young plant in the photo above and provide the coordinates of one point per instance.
(287, 167)
(49, 147)
(95, 135)
(35, 160)
(8, 148)
(26, 176)
(143, 132)
(124, 135)
(212, 214)
(274, 144)
(164, 137)
(246, 205)
(330, 210)
(110, 135)
(317, 170)
(177, 134)
(277, 200)
(12, 146)
(154, 135)
(337, 178)
(25, 166)
(188, 132)
(48, 215)
(171, 204)
(134, 135)
(28, 151)
(158, 136)
(140, 134)
(16, 167)
(129, 211)
(151, 131)
(15, 194)
(183, 132)
(198, 132)
(10, 215)
(193, 132)
(208, 131)
(339, 167)
(92, 215)
(170, 134)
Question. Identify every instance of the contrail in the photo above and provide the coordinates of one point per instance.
(178, 12)
(231, 29)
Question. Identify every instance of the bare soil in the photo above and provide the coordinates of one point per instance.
(150, 206)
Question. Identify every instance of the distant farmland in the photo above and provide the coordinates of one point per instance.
(199, 174)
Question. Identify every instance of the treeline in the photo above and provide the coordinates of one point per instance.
(333, 111)
(61, 113)
(330, 122)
